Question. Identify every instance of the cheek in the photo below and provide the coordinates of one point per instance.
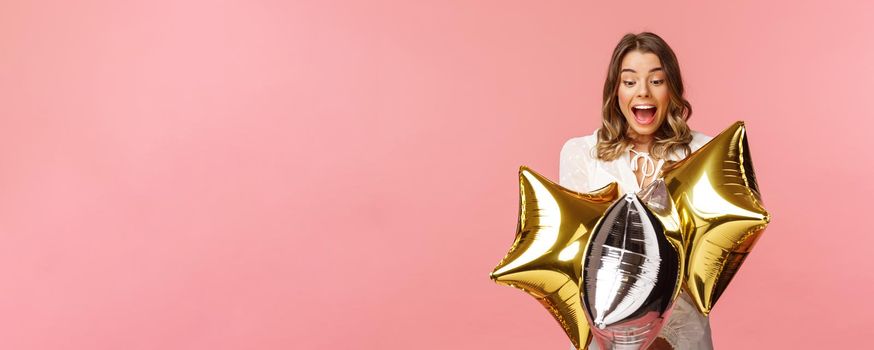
(663, 98)
(624, 98)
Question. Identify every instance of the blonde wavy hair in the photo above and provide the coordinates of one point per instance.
(674, 135)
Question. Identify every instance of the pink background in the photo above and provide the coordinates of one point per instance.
(342, 174)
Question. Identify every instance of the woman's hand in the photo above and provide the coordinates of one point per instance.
(660, 344)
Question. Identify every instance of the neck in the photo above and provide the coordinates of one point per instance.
(642, 143)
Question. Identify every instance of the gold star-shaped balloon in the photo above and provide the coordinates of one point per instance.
(718, 210)
(545, 260)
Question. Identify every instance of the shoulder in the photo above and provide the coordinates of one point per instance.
(698, 139)
(580, 145)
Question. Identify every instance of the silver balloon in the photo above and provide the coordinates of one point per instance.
(630, 275)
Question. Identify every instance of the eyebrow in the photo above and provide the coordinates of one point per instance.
(634, 71)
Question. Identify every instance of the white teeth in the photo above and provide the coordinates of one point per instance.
(644, 107)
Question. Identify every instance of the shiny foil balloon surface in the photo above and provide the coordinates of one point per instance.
(546, 257)
(630, 276)
(718, 209)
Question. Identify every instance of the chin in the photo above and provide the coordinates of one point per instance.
(644, 130)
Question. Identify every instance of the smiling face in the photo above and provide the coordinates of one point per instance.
(643, 92)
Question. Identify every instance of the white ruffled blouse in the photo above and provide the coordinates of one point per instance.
(581, 171)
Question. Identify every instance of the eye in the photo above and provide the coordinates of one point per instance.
(628, 83)
(658, 82)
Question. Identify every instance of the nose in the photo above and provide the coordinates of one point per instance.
(642, 90)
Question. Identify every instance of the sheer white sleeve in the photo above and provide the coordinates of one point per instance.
(686, 327)
(572, 165)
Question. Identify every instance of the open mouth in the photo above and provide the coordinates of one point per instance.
(644, 114)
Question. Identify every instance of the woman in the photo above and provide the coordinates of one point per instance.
(643, 128)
